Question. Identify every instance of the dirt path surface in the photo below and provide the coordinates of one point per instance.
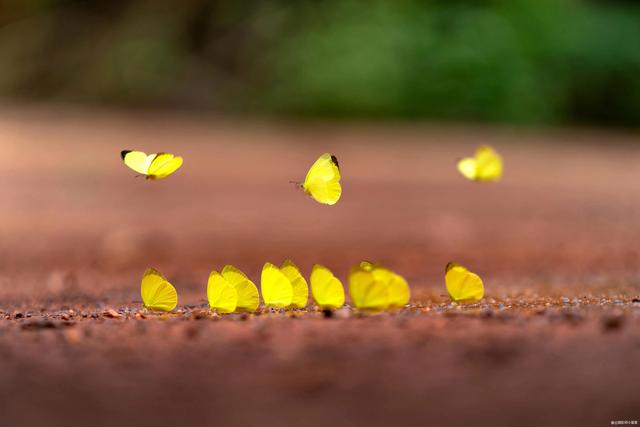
(556, 341)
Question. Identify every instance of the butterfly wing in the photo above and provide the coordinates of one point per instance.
(157, 293)
(298, 283)
(163, 165)
(248, 297)
(366, 292)
(467, 167)
(398, 290)
(222, 295)
(137, 160)
(323, 180)
(326, 288)
(488, 163)
(276, 288)
(462, 284)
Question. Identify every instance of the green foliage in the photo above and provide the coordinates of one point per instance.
(514, 61)
(543, 61)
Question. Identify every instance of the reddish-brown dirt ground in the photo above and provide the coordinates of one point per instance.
(556, 341)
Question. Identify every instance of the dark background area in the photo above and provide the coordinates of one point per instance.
(539, 62)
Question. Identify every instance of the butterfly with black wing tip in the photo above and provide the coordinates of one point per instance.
(151, 166)
(322, 182)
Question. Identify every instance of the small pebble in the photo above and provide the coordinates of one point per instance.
(111, 313)
(342, 313)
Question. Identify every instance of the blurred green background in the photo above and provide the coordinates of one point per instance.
(539, 62)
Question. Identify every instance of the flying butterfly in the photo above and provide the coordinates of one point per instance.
(323, 180)
(463, 285)
(222, 295)
(152, 166)
(327, 290)
(485, 166)
(298, 283)
(398, 292)
(367, 291)
(157, 293)
(277, 290)
(248, 297)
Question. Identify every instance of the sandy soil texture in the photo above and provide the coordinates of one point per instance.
(555, 341)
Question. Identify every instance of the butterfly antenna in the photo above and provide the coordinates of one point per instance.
(296, 183)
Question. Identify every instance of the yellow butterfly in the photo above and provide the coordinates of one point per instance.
(248, 297)
(463, 285)
(367, 292)
(327, 290)
(222, 295)
(323, 180)
(277, 290)
(398, 291)
(486, 165)
(299, 284)
(152, 166)
(157, 293)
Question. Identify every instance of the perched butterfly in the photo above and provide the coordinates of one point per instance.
(299, 284)
(323, 180)
(157, 293)
(486, 165)
(367, 291)
(248, 297)
(327, 290)
(398, 291)
(152, 166)
(277, 290)
(463, 285)
(222, 295)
